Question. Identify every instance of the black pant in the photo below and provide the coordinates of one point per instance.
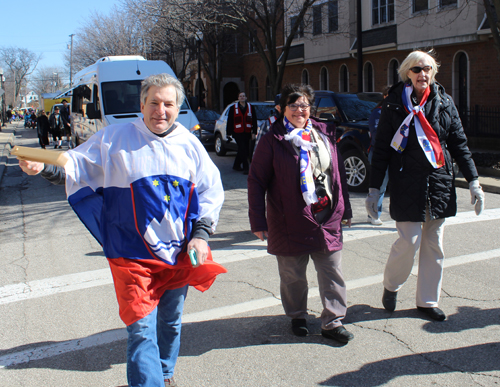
(243, 142)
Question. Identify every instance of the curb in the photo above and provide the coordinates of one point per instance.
(488, 183)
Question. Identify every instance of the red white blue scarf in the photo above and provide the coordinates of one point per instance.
(426, 135)
(301, 138)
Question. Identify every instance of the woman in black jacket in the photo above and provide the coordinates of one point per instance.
(43, 127)
(418, 136)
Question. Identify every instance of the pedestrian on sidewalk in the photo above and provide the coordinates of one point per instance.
(56, 127)
(42, 128)
(298, 170)
(372, 125)
(149, 192)
(66, 120)
(418, 136)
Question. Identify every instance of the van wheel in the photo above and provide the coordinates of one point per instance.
(357, 169)
(220, 149)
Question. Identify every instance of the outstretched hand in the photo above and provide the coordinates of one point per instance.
(31, 167)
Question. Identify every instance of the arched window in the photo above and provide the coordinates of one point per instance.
(393, 76)
(254, 89)
(368, 77)
(344, 79)
(323, 79)
(305, 77)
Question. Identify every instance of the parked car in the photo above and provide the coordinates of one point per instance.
(262, 109)
(207, 120)
(350, 113)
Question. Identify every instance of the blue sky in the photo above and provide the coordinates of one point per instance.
(44, 26)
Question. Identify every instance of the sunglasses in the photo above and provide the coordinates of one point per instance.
(418, 69)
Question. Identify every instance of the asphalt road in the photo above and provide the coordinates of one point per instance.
(59, 322)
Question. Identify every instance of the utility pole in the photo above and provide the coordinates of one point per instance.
(359, 33)
(71, 62)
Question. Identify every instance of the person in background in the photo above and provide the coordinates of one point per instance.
(242, 124)
(149, 193)
(298, 172)
(372, 124)
(42, 127)
(56, 128)
(66, 120)
(418, 136)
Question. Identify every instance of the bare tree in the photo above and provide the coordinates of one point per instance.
(21, 62)
(47, 80)
(118, 33)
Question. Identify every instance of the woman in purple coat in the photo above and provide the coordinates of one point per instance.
(297, 168)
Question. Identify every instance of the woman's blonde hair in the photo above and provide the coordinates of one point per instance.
(412, 60)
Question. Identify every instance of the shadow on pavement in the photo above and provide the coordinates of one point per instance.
(473, 359)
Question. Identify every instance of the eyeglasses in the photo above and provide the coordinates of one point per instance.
(418, 69)
(293, 107)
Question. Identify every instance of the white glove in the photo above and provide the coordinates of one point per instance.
(477, 196)
(371, 202)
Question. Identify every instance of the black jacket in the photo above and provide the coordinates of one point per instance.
(413, 182)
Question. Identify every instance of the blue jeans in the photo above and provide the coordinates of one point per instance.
(154, 341)
(383, 187)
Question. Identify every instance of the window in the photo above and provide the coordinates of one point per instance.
(420, 6)
(230, 43)
(382, 11)
(326, 106)
(368, 78)
(254, 89)
(393, 72)
(305, 77)
(344, 79)
(300, 30)
(333, 16)
(251, 42)
(323, 79)
(317, 20)
(446, 3)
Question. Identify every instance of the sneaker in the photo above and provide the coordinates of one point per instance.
(339, 334)
(375, 222)
(170, 382)
(299, 327)
(434, 313)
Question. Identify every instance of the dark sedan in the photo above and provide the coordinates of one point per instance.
(207, 120)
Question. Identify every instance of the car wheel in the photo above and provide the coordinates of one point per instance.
(220, 149)
(357, 169)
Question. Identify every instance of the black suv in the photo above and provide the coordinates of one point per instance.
(350, 113)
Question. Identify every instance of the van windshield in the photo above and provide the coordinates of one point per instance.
(124, 97)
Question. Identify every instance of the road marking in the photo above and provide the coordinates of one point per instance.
(47, 351)
(239, 252)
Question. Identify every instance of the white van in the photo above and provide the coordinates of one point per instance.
(108, 92)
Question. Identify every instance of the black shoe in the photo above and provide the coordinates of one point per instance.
(239, 169)
(245, 172)
(340, 334)
(434, 313)
(55, 146)
(299, 327)
(389, 300)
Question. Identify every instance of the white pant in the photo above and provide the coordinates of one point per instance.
(412, 235)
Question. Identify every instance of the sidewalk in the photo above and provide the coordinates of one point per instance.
(489, 179)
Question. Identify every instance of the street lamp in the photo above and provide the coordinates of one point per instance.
(199, 38)
(3, 115)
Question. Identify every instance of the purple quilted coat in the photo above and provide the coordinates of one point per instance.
(291, 225)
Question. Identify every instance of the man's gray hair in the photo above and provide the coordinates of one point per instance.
(163, 80)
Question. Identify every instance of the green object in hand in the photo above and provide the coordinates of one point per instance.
(193, 257)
